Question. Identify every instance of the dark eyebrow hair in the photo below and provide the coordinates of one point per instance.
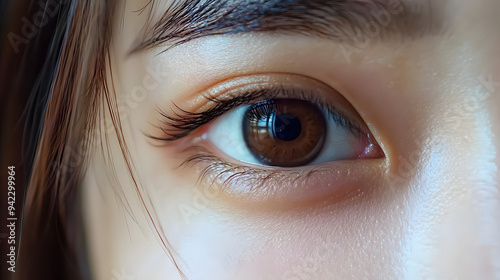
(341, 20)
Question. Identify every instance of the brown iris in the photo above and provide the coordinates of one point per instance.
(284, 132)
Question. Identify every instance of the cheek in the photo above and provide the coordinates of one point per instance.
(452, 197)
(347, 239)
(452, 205)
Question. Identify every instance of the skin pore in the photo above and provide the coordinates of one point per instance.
(426, 208)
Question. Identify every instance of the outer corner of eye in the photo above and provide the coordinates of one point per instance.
(290, 133)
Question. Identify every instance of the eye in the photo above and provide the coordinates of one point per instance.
(289, 133)
(277, 140)
(284, 132)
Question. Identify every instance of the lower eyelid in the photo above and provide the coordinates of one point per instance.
(281, 189)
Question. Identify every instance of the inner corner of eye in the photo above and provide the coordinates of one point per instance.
(287, 133)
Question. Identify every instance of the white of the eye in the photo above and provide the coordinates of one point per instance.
(340, 143)
(226, 134)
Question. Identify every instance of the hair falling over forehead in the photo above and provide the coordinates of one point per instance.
(80, 96)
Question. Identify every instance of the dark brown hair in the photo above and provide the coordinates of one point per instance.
(68, 97)
(52, 242)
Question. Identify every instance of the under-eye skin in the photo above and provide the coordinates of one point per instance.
(275, 137)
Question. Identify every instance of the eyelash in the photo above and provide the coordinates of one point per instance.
(182, 123)
(218, 171)
(223, 172)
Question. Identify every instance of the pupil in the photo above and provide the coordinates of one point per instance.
(286, 127)
(284, 132)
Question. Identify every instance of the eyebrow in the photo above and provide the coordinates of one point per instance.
(349, 21)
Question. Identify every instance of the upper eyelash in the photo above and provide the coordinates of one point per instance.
(183, 122)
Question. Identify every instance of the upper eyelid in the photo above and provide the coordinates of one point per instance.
(182, 123)
(192, 120)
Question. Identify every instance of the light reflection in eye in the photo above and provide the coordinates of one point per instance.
(286, 133)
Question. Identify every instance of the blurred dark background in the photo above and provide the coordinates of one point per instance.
(29, 45)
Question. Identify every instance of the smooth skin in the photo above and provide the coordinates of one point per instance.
(428, 209)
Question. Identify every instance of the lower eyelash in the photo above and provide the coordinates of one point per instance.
(217, 171)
